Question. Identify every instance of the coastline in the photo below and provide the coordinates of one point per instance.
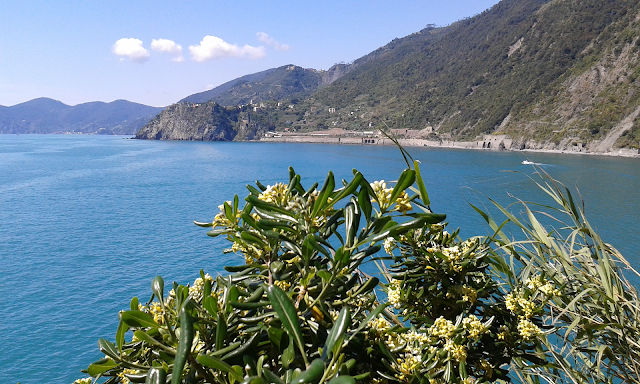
(329, 138)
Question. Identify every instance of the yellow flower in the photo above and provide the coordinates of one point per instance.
(504, 333)
(519, 305)
(407, 366)
(275, 194)
(458, 352)
(383, 194)
(486, 367)
(126, 371)
(402, 203)
(469, 294)
(282, 284)
(197, 289)
(474, 326)
(86, 380)
(393, 293)
(389, 245)
(379, 324)
(442, 328)
(528, 330)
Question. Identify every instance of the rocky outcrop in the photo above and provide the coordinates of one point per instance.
(190, 121)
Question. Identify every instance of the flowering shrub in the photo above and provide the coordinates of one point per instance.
(298, 309)
(467, 328)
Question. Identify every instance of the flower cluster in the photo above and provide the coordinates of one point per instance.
(394, 290)
(539, 284)
(383, 197)
(196, 291)
(277, 194)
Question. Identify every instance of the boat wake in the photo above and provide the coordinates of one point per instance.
(527, 162)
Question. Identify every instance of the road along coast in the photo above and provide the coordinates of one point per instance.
(488, 142)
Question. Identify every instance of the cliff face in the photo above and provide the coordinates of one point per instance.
(189, 121)
(206, 122)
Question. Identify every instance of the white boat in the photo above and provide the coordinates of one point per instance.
(527, 162)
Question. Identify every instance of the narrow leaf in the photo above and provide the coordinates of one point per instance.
(288, 315)
(339, 328)
(215, 363)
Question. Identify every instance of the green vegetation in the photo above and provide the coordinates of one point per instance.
(553, 306)
(561, 71)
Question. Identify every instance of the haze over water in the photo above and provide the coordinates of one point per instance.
(87, 221)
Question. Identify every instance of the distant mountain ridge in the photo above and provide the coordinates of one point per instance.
(553, 74)
(285, 82)
(44, 115)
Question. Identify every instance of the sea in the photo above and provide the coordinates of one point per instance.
(87, 221)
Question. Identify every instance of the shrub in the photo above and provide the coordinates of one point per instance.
(301, 310)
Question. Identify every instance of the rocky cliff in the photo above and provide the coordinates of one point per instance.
(205, 122)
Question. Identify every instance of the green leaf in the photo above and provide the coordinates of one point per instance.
(156, 376)
(340, 326)
(108, 349)
(101, 366)
(288, 355)
(218, 232)
(243, 349)
(367, 286)
(312, 375)
(157, 287)
(272, 377)
(211, 305)
(203, 224)
(349, 188)
(215, 363)
(288, 315)
(421, 188)
(327, 190)
(343, 380)
(221, 331)
(143, 336)
(122, 329)
(406, 179)
(228, 212)
(133, 305)
(351, 223)
(184, 344)
(138, 319)
(364, 201)
(253, 238)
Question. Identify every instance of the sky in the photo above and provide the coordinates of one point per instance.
(158, 52)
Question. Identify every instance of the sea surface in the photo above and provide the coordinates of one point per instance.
(87, 221)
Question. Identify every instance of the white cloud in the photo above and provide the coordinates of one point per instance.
(132, 49)
(271, 42)
(212, 47)
(168, 46)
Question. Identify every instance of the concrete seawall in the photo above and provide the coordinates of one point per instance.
(478, 145)
(371, 141)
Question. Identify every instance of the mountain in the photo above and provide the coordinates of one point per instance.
(46, 115)
(285, 82)
(551, 73)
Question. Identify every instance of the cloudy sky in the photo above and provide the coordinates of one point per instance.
(158, 52)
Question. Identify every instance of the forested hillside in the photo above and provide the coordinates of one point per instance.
(552, 74)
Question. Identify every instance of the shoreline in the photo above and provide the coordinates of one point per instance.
(373, 141)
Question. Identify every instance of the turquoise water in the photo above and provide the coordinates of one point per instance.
(87, 221)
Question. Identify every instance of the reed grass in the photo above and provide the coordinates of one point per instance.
(594, 328)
